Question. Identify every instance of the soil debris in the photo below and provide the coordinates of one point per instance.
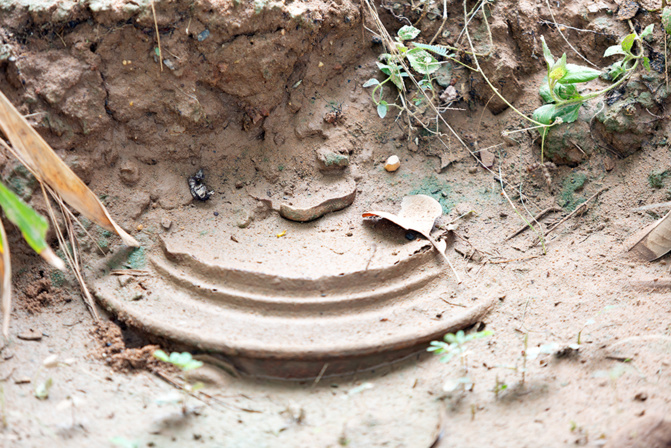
(118, 356)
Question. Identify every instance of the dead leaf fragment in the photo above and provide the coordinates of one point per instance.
(44, 163)
(418, 213)
(656, 242)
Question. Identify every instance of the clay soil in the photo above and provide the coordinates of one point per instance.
(264, 96)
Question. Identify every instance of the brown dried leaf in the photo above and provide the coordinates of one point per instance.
(656, 242)
(418, 213)
(45, 164)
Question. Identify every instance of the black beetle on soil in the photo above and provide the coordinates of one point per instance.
(198, 188)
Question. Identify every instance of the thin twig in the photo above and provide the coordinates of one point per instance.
(530, 257)
(584, 204)
(158, 37)
(547, 2)
(321, 374)
(538, 216)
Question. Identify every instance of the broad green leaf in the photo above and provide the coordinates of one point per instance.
(371, 82)
(422, 62)
(647, 31)
(408, 32)
(49, 168)
(628, 42)
(666, 19)
(384, 68)
(615, 49)
(578, 73)
(547, 55)
(558, 70)
(646, 63)
(32, 225)
(382, 109)
(549, 113)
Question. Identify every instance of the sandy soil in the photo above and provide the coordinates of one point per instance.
(250, 92)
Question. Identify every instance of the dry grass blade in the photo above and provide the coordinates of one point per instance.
(6, 285)
(70, 256)
(38, 156)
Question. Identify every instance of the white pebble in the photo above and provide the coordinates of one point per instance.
(392, 163)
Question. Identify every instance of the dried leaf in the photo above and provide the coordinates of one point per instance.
(418, 213)
(45, 164)
(5, 283)
(656, 242)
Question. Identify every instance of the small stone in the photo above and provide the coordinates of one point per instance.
(166, 223)
(641, 396)
(244, 220)
(331, 160)
(473, 170)
(392, 164)
(139, 227)
(239, 185)
(22, 380)
(487, 158)
(30, 335)
(129, 172)
(608, 163)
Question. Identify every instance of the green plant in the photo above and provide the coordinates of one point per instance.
(560, 88)
(454, 344)
(394, 67)
(185, 362)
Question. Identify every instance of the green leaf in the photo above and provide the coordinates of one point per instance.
(382, 109)
(647, 31)
(563, 91)
(558, 70)
(646, 63)
(371, 82)
(384, 68)
(161, 356)
(547, 55)
(438, 49)
(408, 32)
(578, 73)
(628, 42)
(615, 49)
(666, 19)
(32, 225)
(549, 113)
(422, 62)
(615, 71)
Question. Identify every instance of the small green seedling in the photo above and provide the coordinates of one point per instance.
(392, 65)
(184, 362)
(455, 345)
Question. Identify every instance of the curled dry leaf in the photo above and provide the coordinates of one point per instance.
(656, 242)
(418, 213)
(45, 164)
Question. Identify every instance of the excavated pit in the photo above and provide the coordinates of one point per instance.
(262, 258)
